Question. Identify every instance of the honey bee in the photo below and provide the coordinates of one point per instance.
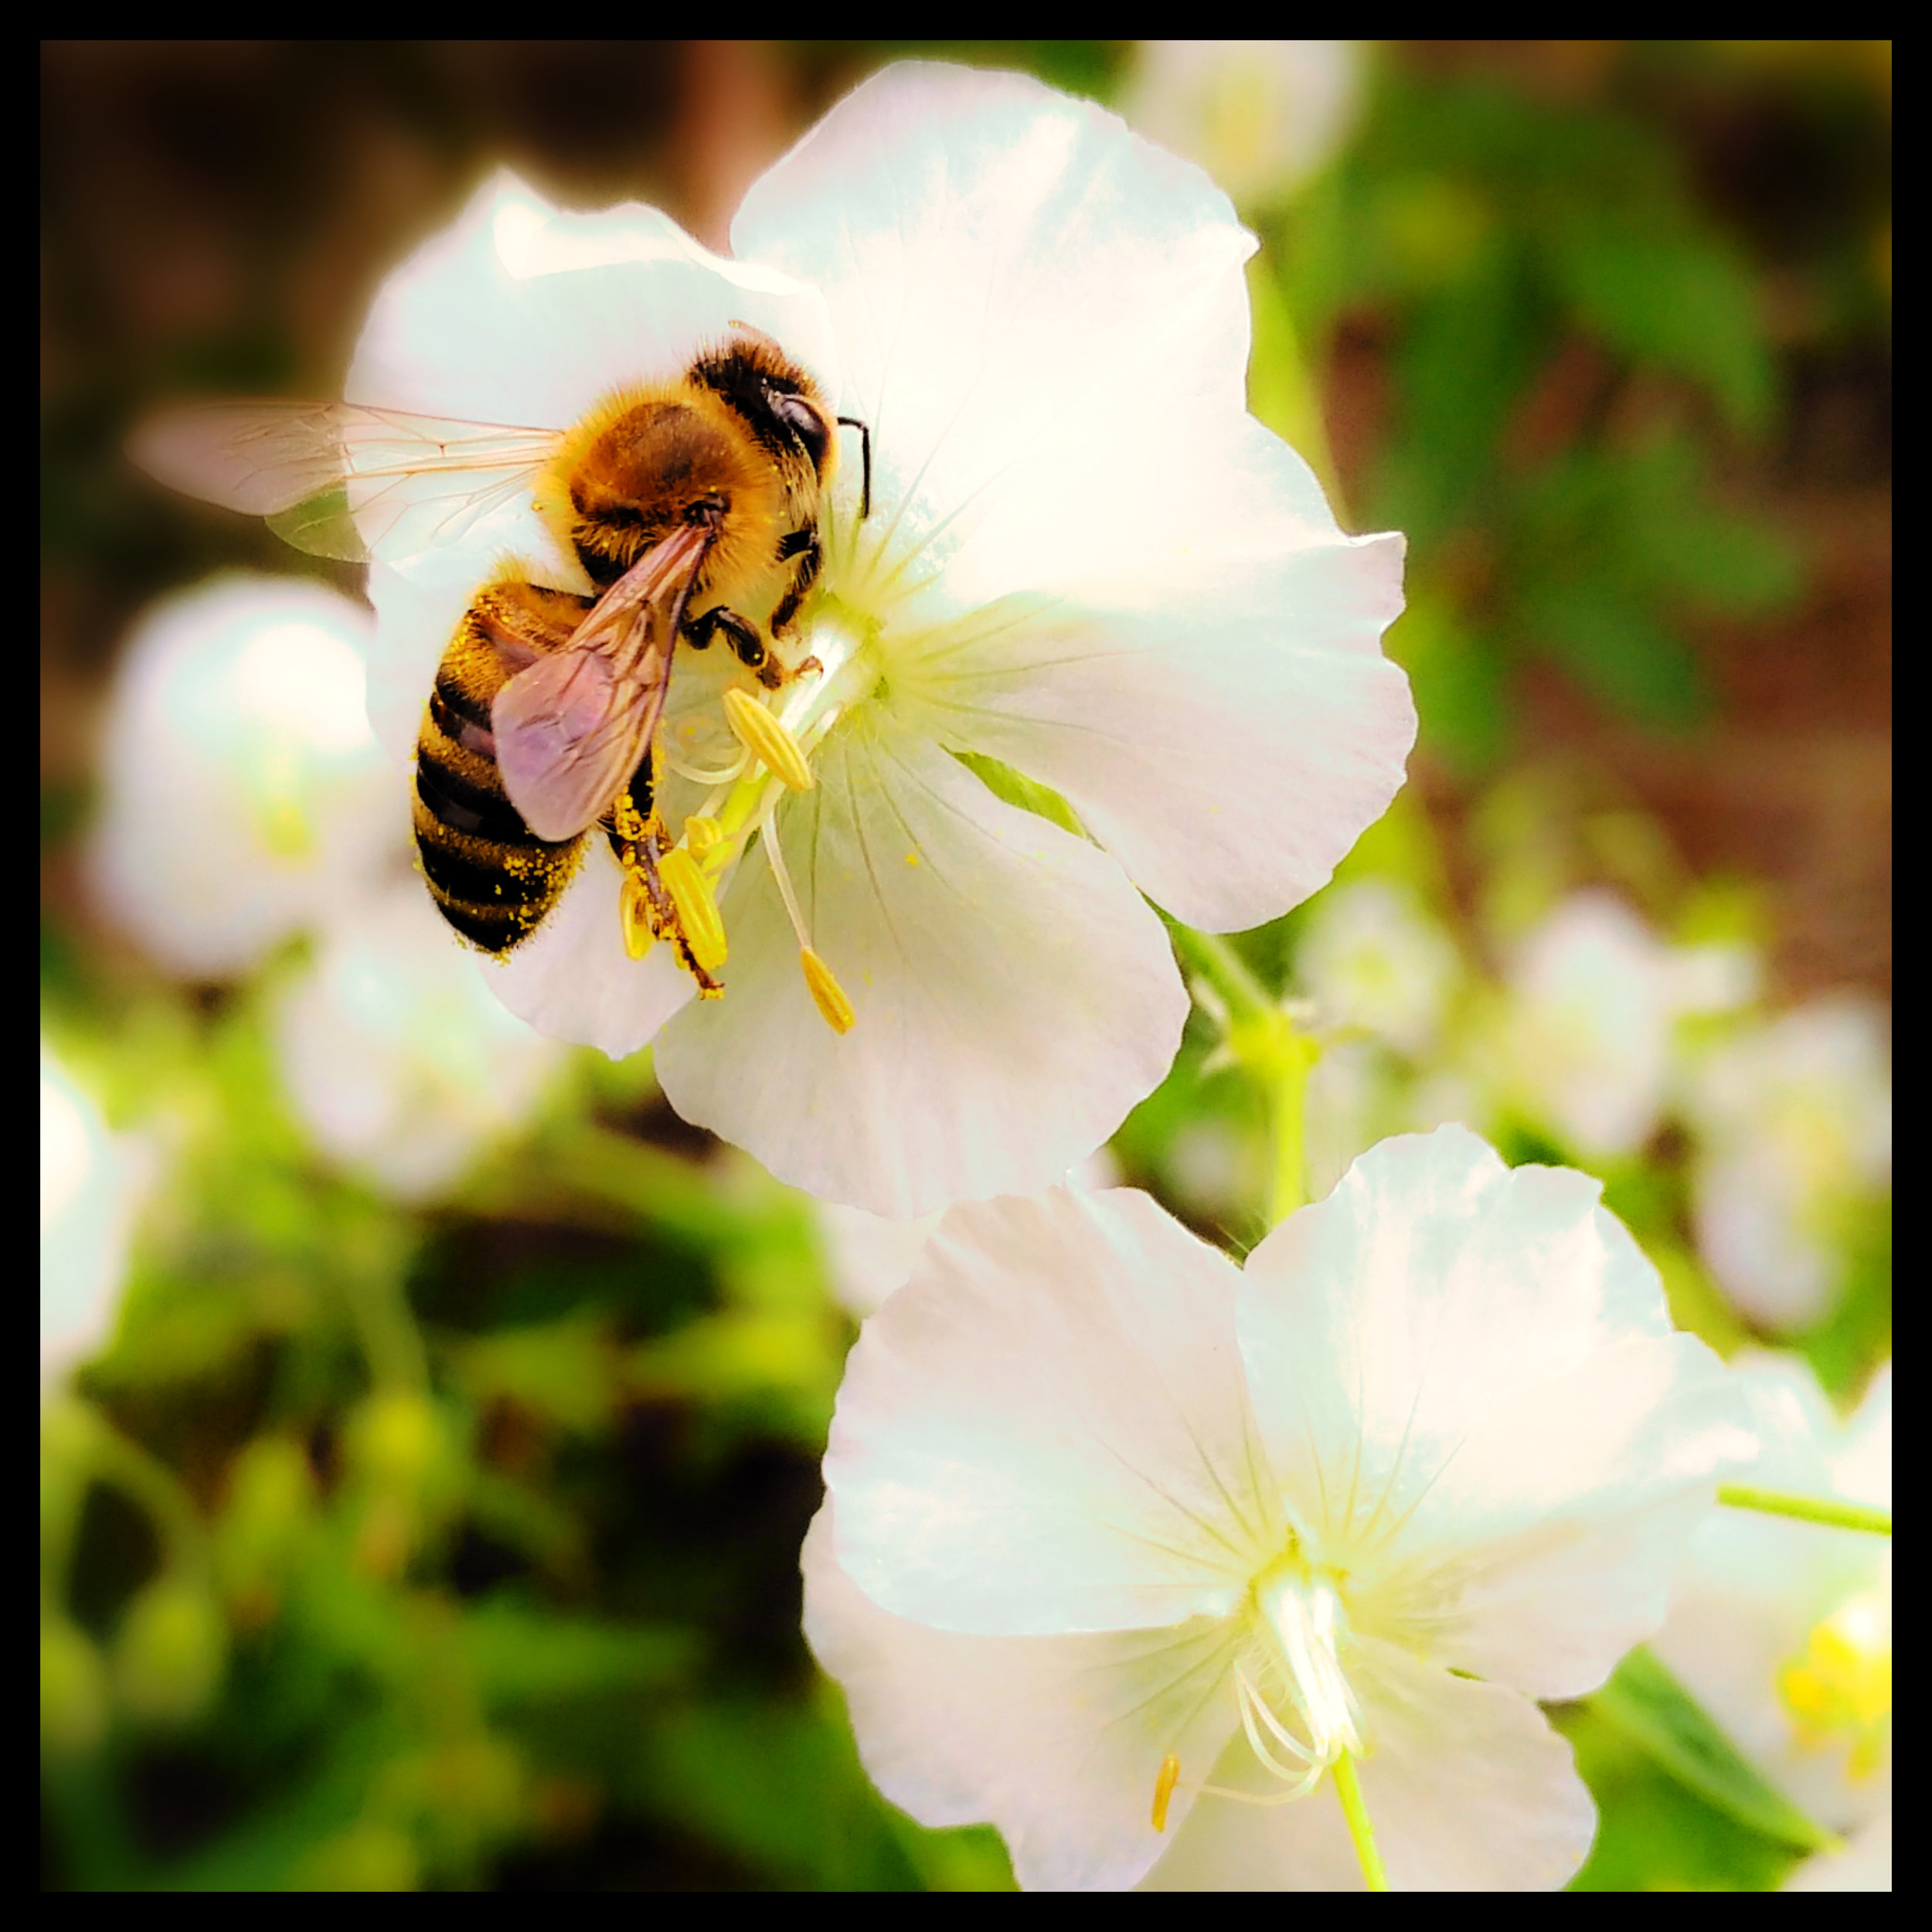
(693, 506)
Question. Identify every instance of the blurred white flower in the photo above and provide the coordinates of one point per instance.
(1260, 116)
(1794, 1136)
(1123, 1547)
(1084, 561)
(1354, 1090)
(90, 1183)
(1783, 1630)
(396, 1058)
(1864, 1864)
(1372, 956)
(243, 795)
(1586, 1038)
(869, 1256)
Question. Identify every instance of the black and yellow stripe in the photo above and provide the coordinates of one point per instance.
(491, 877)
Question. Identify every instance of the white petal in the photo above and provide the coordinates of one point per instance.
(869, 1256)
(1057, 1740)
(1010, 271)
(1586, 1038)
(526, 314)
(396, 1060)
(1553, 1535)
(1014, 996)
(89, 1191)
(1432, 1280)
(1470, 1389)
(1467, 1787)
(243, 798)
(521, 315)
(1261, 115)
(1042, 318)
(1229, 736)
(1045, 1430)
(571, 978)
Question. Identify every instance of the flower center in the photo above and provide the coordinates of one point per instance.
(1838, 1687)
(1297, 1712)
(673, 887)
(1301, 1611)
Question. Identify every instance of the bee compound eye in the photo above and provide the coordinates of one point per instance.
(814, 432)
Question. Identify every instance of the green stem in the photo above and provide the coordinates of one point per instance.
(384, 1325)
(1287, 1102)
(1348, 1787)
(89, 1448)
(1224, 969)
(1825, 1509)
(1264, 1042)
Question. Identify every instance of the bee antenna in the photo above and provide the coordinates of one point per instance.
(865, 445)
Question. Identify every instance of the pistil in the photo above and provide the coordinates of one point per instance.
(1302, 1612)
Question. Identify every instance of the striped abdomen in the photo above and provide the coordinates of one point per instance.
(491, 877)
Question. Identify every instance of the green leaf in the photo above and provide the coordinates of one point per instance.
(1672, 296)
(1649, 1706)
(518, 1654)
(779, 1787)
(1016, 788)
(1617, 649)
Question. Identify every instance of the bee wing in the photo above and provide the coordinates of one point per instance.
(571, 729)
(338, 479)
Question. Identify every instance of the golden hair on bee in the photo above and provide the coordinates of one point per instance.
(692, 504)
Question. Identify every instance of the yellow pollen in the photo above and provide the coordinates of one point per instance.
(762, 735)
(698, 916)
(827, 994)
(1164, 1788)
(634, 912)
(1838, 1687)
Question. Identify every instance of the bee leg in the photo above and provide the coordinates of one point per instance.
(743, 639)
(637, 837)
(802, 551)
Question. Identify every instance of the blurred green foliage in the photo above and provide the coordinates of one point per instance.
(1580, 348)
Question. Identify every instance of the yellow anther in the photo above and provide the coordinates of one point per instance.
(634, 912)
(701, 835)
(1164, 1788)
(765, 738)
(1838, 1687)
(698, 916)
(828, 996)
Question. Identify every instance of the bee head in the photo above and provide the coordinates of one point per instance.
(776, 399)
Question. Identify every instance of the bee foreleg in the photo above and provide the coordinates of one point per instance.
(744, 641)
(801, 548)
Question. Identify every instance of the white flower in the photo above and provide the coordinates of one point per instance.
(1084, 560)
(1783, 1630)
(1260, 116)
(1586, 1038)
(1794, 1122)
(243, 794)
(395, 1057)
(1105, 1513)
(1353, 1100)
(1372, 957)
(88, 1184)
(869, 1257)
